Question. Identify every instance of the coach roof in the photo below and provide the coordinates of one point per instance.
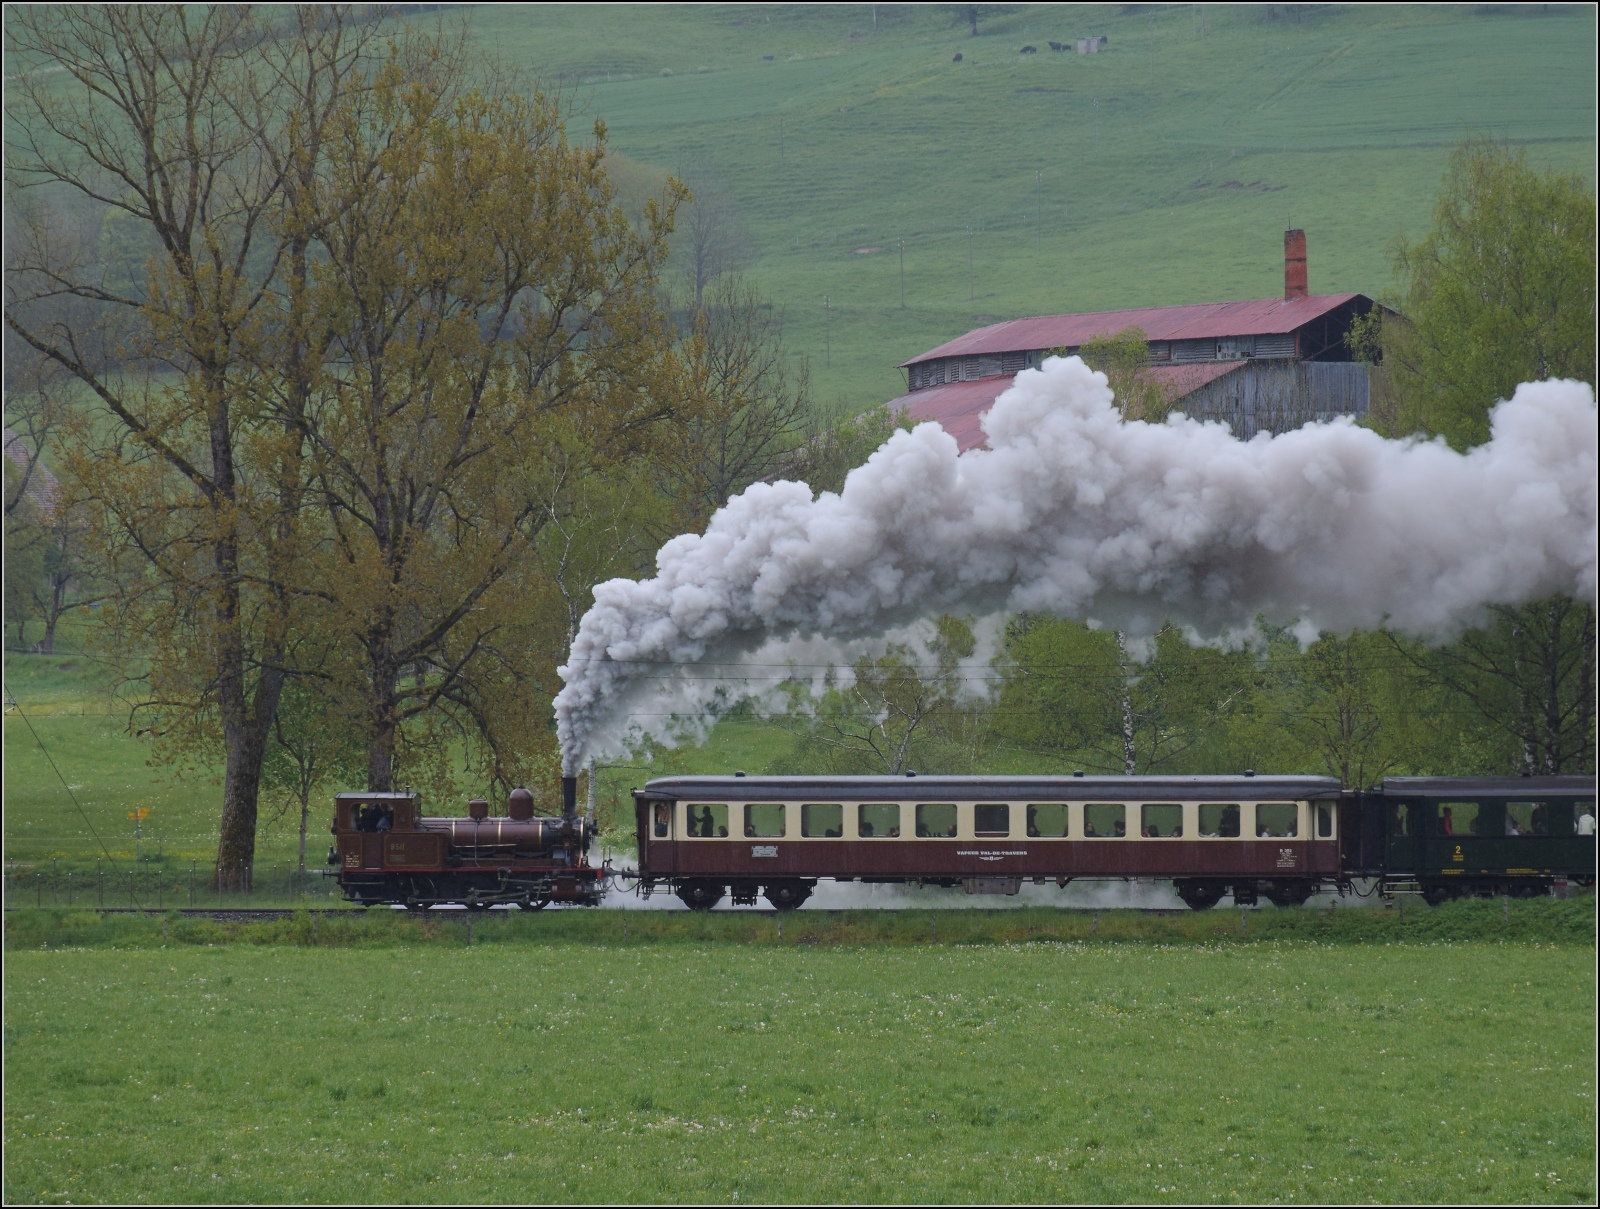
(1456, 788)
(977, 789)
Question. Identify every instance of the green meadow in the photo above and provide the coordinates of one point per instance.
(721, 1064)
(1162, 170)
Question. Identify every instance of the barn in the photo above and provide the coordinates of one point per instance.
(1264, 365)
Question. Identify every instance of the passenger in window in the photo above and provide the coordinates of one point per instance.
(1150, 832)
(1177, 831)
(1447, 825)
(1121, 829)
(1089, 833)
(1511, 825)
(663, 820)
(894, 832)
(385, 821)
(1033, 820)
(1585, 823)
(1539, 820)
(749, 826)
(722, 832)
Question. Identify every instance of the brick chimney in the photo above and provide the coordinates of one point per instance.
(1294, 265)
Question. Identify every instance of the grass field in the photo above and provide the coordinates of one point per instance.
(718, 1064)
(1163, 170)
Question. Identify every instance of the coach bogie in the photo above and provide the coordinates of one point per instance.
(787, 895)
(1200, 895)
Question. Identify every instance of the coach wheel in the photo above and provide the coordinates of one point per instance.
(1436, 894)
(786, 896)
(700, 896)
(1289, 894)
(1200, 896)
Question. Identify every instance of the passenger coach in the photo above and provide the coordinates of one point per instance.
(707, 837)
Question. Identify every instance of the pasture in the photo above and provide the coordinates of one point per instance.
(1162, 170)
(713, 1062)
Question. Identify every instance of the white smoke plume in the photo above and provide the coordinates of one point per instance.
(1073, 511)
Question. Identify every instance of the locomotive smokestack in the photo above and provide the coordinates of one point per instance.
(569, 797)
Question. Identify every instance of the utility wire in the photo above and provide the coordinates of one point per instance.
(12, 703)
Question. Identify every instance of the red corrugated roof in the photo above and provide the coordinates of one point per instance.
(960, 406)
(1199, 321)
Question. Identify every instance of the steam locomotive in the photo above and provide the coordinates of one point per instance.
(1282, 838)
(387, 851)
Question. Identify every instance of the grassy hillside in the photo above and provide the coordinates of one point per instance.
(1162, 170)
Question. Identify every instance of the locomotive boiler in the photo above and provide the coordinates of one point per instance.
(387, 851)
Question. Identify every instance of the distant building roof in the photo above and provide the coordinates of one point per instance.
(43, 489)
(1198, 321)
(960, 406)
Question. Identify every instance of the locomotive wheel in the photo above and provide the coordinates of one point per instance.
(700, 896)
(1200, 896)
(786, 896)
(536, 904)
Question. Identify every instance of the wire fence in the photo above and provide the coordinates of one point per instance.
(152, 884)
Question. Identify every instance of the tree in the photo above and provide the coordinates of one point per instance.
(489, 310)
(1501, 291)
(1077, 696)
(312, 747)
(1122, 357)
(741, 412)
(196, 130)
(1347, 699)
(901, 707)
(1530, 674)
(713, 239)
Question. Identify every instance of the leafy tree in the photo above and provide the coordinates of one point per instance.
(489, 311)
(1530, 674)
(312, 748)
(902, 709)
(1122, 357)
(196, 131)
(1350, 703)
(1501, 291)
(1077, 696)
(835, 445)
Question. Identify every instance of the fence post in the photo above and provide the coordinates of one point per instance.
(100, 884)
(55, 880)
(191, 883)
(132, 873)
(38, 890)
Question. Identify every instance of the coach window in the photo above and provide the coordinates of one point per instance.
(1104, 820)
(708, 820)
(1456, 818)
(1527, 818)
(1161, 820)
(1277, 820)
(663, 819)
(822, 820)
(1047, 820)
(991, 819)
(878, 820)
(1324, 820)
(1219, 820)
(764, 820)
(936, 820)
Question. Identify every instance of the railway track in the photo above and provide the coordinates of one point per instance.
(266, 914)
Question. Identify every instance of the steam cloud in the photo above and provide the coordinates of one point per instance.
(1071, 510)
